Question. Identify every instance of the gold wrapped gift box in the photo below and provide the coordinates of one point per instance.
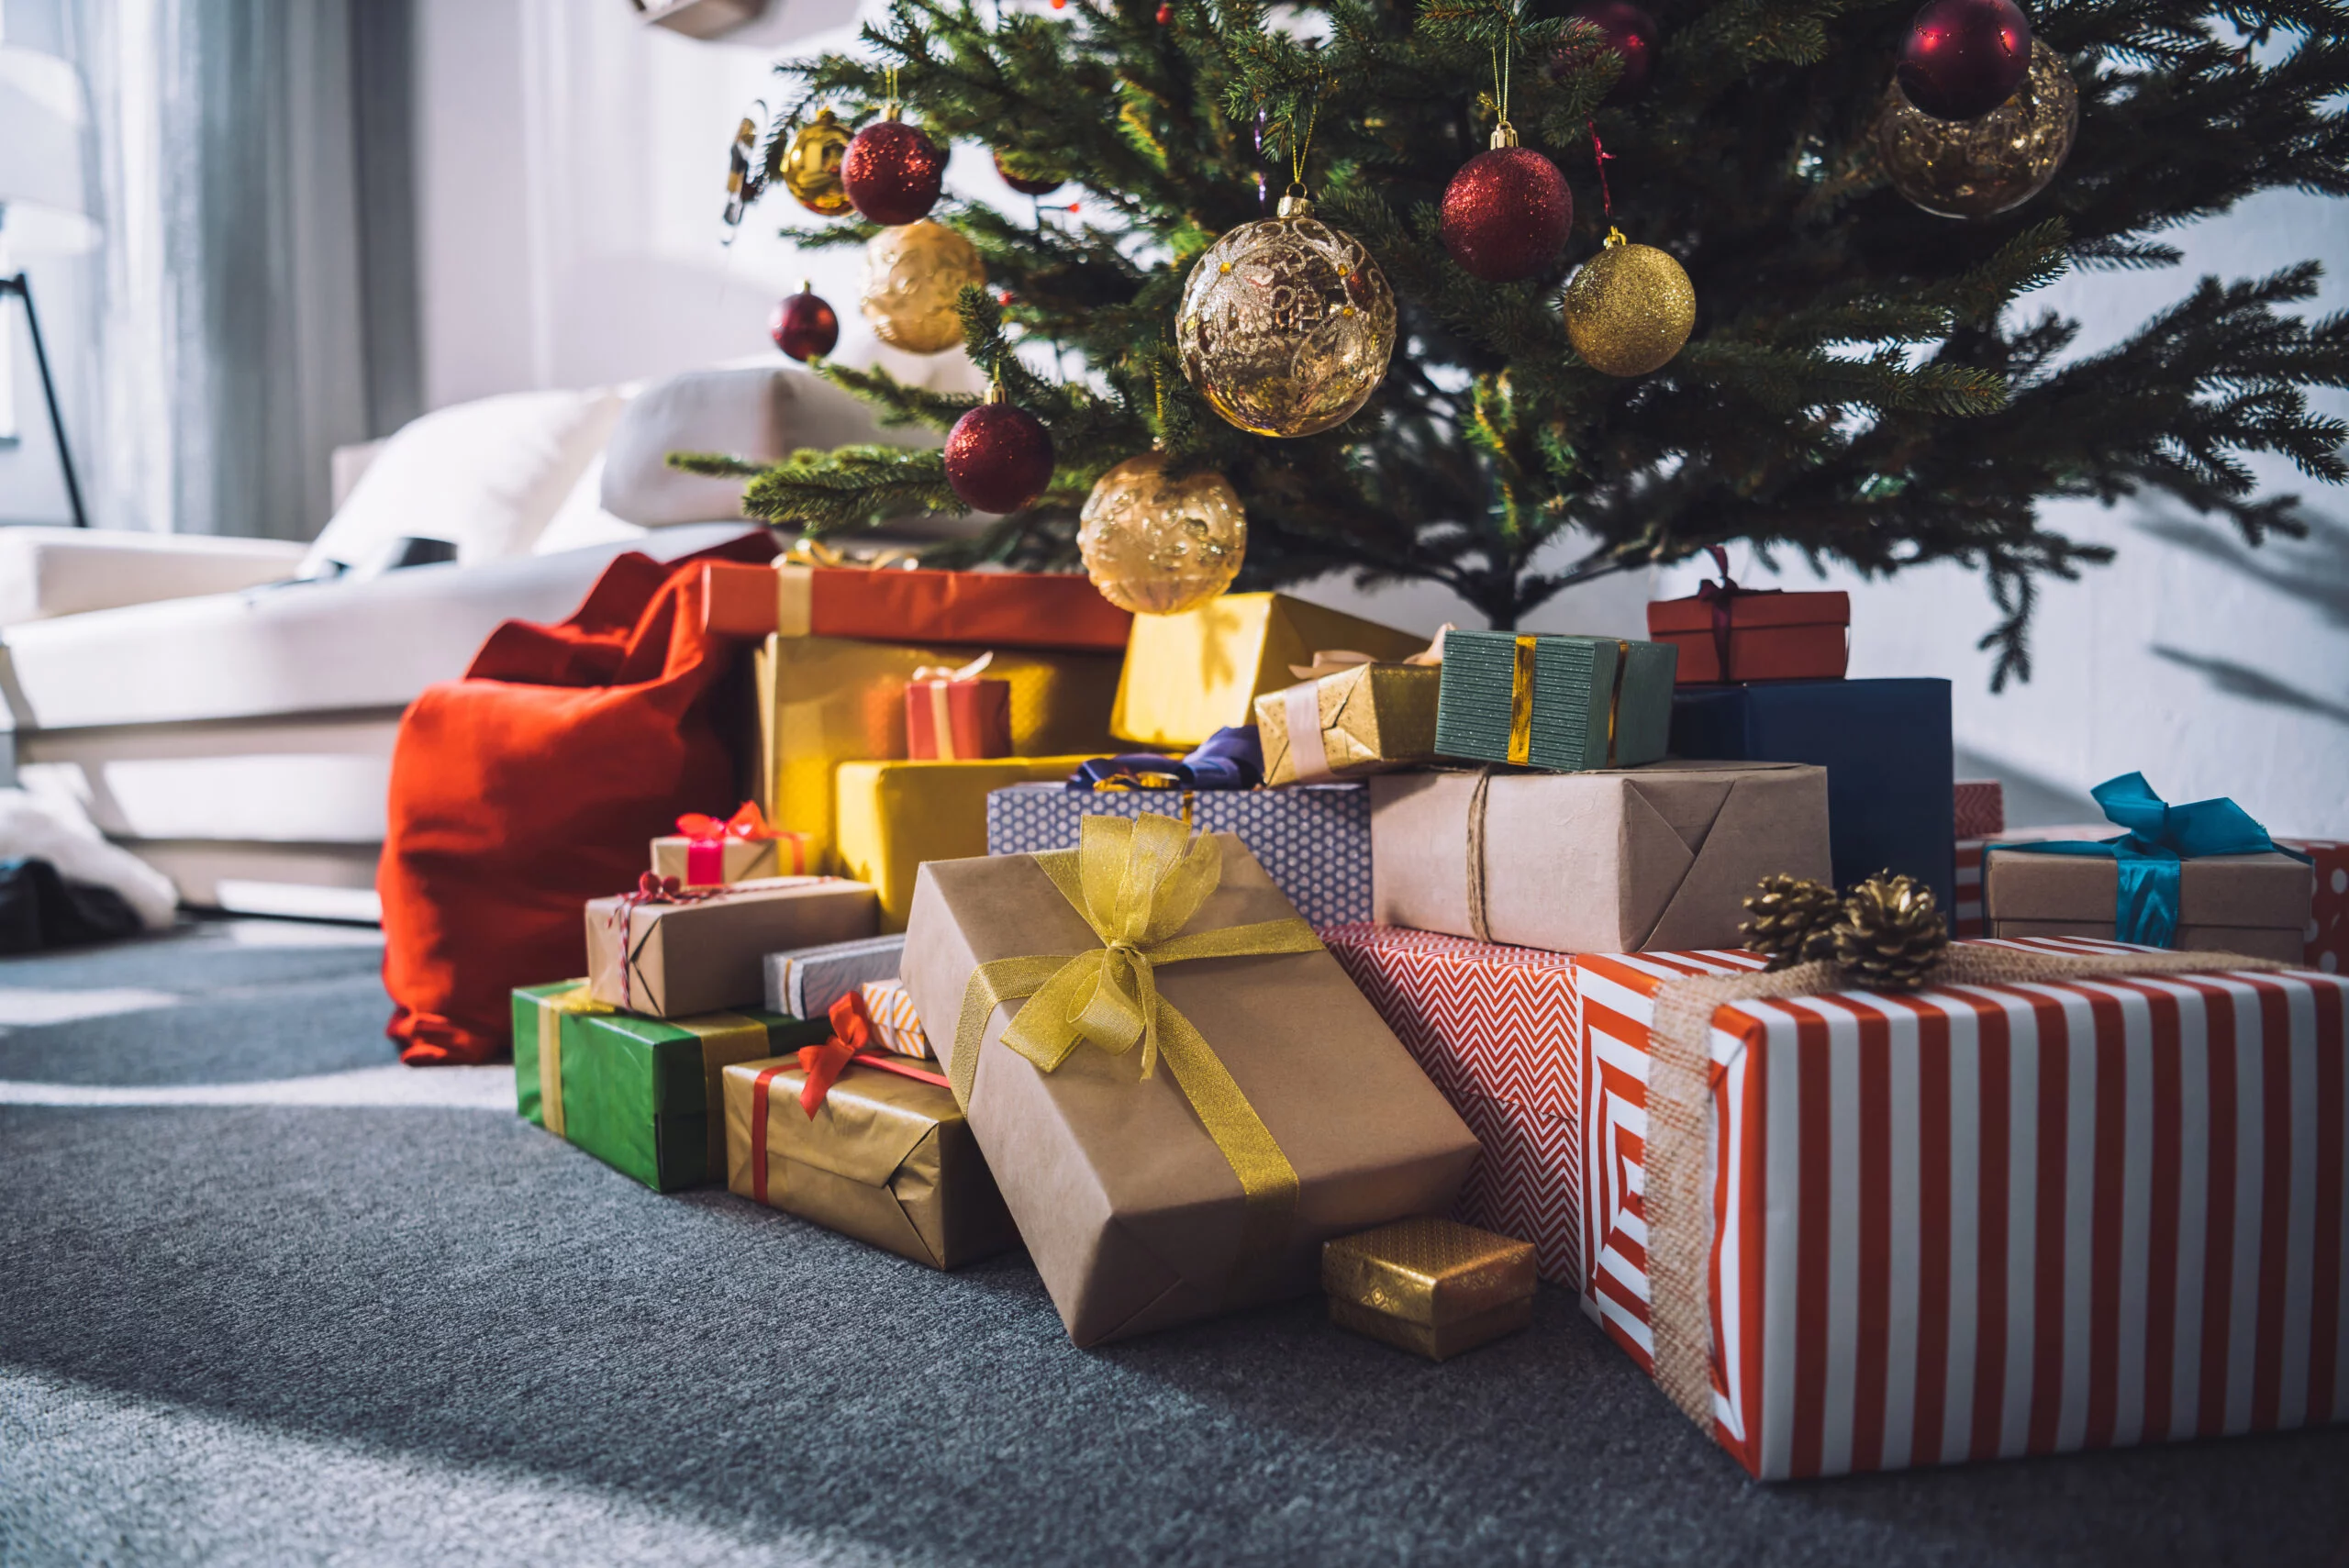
(826, 700)
(886, 1159)
(1429, 1285)
(888, 817)
(1368, 719)
(1187, 676)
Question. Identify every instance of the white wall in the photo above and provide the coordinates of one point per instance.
(571, 174)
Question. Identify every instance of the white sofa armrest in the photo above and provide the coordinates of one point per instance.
(46, 573)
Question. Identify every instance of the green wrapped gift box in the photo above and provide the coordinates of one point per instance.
(647, 1096)
(1557, 702)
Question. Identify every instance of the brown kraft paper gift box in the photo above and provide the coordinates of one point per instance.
(1131, 1210)
(886, 1159)
(2258, 905)
(1659, 857)
(708, 954)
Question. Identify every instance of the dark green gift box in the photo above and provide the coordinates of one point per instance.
(1557, 702)
(645, 1096)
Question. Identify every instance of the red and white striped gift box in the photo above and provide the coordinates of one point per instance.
(1986, 1221)
(1494, 1026)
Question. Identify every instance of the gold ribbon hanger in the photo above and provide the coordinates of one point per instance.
(1138, 881)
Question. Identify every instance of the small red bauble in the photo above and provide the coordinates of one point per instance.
(1631, 32)
(1166, 15)
(1025, 186)
(1964, 58)
(804, 326)
(998, 458)
(892, 172)
(1506, 213)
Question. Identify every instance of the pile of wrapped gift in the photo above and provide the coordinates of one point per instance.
(1224, 957)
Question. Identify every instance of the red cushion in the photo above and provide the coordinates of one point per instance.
(536, 784)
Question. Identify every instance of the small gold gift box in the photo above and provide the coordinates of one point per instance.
(1429, 1285)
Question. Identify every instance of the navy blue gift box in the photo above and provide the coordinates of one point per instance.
(1313, 840)
(1891, 790)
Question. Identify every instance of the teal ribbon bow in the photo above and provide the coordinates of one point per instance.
(2152, 855)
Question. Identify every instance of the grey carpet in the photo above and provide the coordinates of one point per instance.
(374, 1328)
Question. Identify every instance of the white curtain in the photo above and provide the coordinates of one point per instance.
(242, 332)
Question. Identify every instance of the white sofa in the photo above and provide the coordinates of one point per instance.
(232, 722)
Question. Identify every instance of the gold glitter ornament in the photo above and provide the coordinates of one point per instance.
(1629, 309)
(912, 275)
(1159, 546)
(811, 165)
(1975, 168)
(1286, 324)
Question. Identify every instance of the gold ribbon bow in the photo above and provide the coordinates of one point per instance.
(948, 673)
(816, 552)
(1337, 660)
(1138, 881)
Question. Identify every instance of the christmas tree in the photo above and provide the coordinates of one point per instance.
(1861, 385)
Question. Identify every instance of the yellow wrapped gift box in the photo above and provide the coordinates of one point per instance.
(893, 816)
(826, 700)
(1187, 676)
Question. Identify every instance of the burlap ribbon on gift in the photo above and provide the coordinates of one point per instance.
(1138, 881)
(1680, 1106)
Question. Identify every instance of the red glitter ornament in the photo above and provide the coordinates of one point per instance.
(803, 326)
(1506, 213)
(1023, 184)
(1964, 58)
(1166, 15)
(1630, 33)
(998, 458)
(892, 172)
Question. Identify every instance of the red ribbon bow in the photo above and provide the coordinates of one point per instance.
(747, 823)
(851, 1041)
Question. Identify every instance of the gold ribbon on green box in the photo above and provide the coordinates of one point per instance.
(1138, 881)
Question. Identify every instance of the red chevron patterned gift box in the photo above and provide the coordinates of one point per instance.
(1494, 1026)
(1865, 1231)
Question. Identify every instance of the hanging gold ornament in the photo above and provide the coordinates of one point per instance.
(1629, 309)
(1286, 324)
(1975, 168)
(1161, 546)
(912, 275)
(811, 166)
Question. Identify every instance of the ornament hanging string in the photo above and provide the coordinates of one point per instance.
(1601, 156)
(1299, 151)
(1502, 60)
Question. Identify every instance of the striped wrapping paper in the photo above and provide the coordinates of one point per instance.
(1494, 1028)
(891, 1008)
(1994, 1220)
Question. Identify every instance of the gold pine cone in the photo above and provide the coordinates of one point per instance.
(1792, 919)
(1891, 936)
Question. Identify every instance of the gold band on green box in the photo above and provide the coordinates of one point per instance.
(1137, 882)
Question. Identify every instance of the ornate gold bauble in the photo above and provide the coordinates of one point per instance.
(912, 274)
(1159, 546)
(1976, 168)
(1286, 324)
(1629, 309)
(811, 165)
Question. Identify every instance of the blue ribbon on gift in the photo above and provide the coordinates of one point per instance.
(1230, 759)
(2151, 856)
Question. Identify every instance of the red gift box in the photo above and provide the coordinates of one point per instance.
(954, 716)
(1002, 609)
(2329, 921)
(1988, 1220)
(1494, 1028)
(1729, 634)
(1981, 808)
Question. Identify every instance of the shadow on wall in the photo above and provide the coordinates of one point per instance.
(2314, 570)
